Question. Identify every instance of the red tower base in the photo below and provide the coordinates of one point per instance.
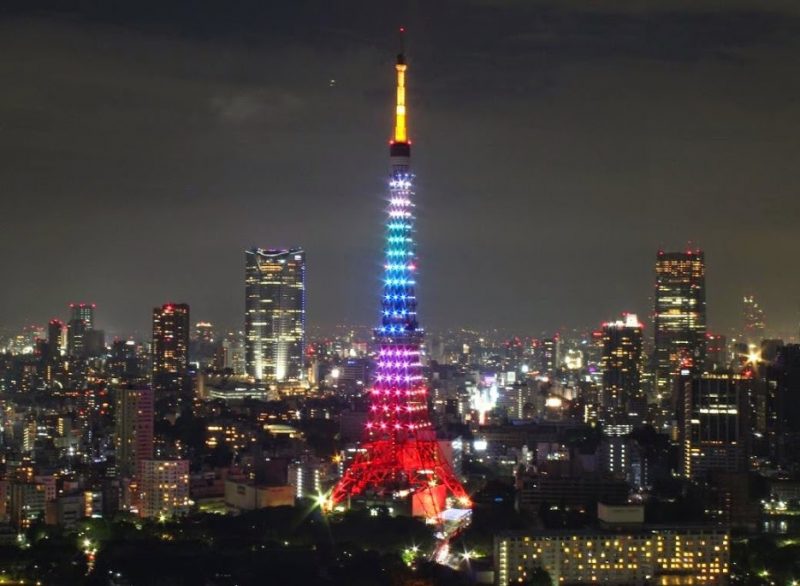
(415, 468)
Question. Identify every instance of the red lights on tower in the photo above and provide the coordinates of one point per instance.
(401, 457)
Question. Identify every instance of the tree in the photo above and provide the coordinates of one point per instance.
(538, 577)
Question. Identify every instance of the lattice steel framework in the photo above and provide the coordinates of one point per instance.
(402, 454)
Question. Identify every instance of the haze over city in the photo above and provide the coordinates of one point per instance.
(457, 293)
(560, 145)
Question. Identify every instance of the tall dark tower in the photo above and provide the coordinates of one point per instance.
(170, 346)
(402, 457)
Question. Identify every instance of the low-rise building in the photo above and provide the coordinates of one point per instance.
(632, 555)
(246, 496)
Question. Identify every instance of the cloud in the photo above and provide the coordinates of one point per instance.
(257, 106)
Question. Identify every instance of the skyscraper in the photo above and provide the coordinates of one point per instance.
(401, 453)
(275, 309)
(170, 348)
(81, 320)
(680, 316)
(753, 315)
(83, 312)
(783, 407)
(621, 364)
(83, 339)
(133, 419)
(715, 424)
(55, 333)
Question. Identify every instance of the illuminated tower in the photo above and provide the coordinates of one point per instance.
(680, 316)
(402, 457)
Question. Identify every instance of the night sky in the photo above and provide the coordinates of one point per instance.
(144, 145)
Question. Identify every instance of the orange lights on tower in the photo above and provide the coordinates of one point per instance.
(400, 130)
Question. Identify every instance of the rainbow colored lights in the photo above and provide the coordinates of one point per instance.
(401, 453)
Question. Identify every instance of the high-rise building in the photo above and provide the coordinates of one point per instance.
(204, 332)
(83, 312)
(134, 428)
(164, 488)
(782, 408)
(715, 426)
(82, 338)
(401, 453)
(128, 363)
(55, 335)
(170, 350)
(621, 364)
(275, 311)
(549, 356)
(753, 330)
(680, 316)
(716, 352)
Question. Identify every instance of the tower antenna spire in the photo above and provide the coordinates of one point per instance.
(400, 128)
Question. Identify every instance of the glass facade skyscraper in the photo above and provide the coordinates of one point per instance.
(715, 424)
(275, 309)
(680, 316)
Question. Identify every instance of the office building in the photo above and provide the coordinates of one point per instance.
(83, 339)
(134, 428)
(714, 429)
(76, 334)
(275, 315)
(754, 327)
(164, 488)
(782, 406)
(549, 356)
(26, 503)
(306, 476)
(621, 368)
(55, 336)
(128, 363)
(680, 316)
(170, 349)
(716, 352)
(83, 312)
(577, 492)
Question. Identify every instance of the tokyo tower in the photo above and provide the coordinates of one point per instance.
(402, 458)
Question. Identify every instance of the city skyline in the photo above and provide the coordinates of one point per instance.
(597, 224)
(661, 136)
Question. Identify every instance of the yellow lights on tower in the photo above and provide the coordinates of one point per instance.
(400, 131)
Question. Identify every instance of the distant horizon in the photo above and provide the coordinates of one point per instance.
(556, 152)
